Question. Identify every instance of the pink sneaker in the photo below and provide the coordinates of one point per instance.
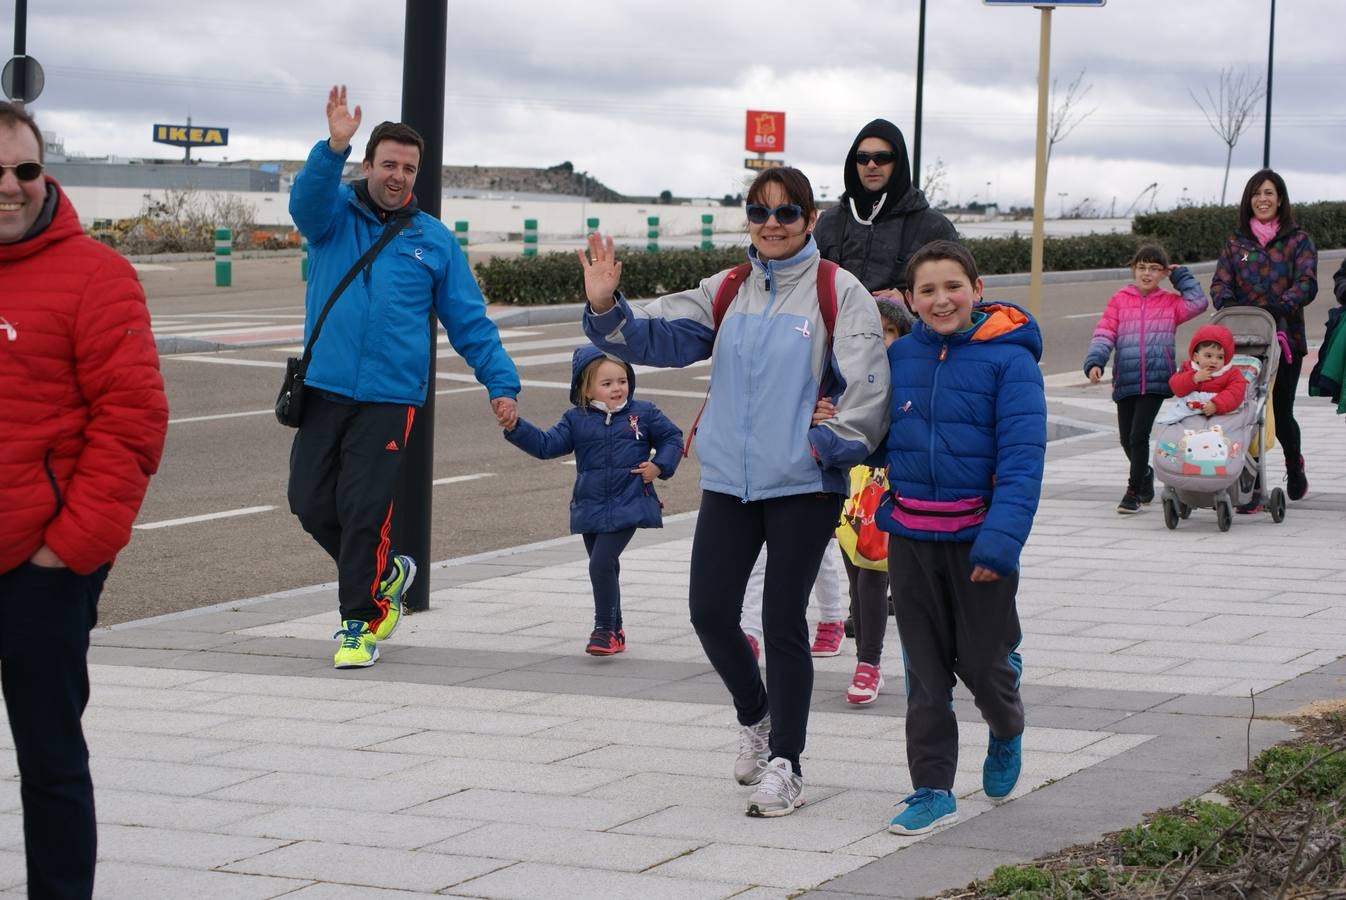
(827, 639)
(752, 642)
(865, 684)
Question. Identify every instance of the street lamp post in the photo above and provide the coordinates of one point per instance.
(1271, 48)
(424, 42)
(920, 90)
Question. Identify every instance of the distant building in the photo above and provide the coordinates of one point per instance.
(153, 175)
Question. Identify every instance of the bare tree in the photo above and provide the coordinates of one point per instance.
(935, 183)
(1229, 111)
(1065, 114)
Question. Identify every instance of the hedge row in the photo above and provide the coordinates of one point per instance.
(1191, 234)
(1196, 233)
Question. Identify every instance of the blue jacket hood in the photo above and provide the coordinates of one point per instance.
(582, 358)
(1002, 323)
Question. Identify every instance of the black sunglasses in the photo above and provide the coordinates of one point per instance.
(786, 213)
(882, 158)
(24, 171)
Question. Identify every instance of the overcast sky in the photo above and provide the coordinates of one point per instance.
(648, 97)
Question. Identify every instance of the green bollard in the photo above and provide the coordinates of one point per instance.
(460, 232)
(530, 237)
(706, 231)
(224, 249)
(303, 260)
(652, 234)
(592, 223)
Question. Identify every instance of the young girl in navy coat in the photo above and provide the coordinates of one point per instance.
(611, 435)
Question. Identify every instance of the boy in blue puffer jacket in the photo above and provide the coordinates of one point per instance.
(965, 457)
(1139, 324)
(611, 435)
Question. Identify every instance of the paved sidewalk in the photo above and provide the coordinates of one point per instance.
(486, 756)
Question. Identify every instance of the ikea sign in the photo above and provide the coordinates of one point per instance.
(191, 136)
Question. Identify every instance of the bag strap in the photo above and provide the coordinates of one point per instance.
(728, 290)
(389, 232)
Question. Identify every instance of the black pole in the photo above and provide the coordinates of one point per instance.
(920, 89)
(1271, 48)
(423, 109)
(20, 52)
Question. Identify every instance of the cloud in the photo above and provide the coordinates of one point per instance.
(648, 98)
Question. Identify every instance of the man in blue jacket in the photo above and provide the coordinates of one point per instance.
(370, 367)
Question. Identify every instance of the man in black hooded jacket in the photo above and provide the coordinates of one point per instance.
(881, 220)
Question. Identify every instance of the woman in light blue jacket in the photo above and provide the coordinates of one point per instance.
(772, 472)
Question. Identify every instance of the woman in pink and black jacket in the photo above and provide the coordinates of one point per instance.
(1270, 262)
(1139, 325)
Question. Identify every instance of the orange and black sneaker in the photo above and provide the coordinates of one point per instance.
(606, 642)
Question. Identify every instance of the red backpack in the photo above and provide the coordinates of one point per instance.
(728, 290)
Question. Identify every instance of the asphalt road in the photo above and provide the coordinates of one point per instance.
(225, 464)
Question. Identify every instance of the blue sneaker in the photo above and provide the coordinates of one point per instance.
(1000, 772)
(927, 809)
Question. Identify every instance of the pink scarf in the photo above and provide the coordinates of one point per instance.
(1264, 231)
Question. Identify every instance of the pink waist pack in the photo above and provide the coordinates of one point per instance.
(938, 515)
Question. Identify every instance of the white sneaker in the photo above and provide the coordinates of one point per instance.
(778, 794)
(753, 741)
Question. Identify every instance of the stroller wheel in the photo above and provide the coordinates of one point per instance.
(1184, 511)
(1276, 505)
(1170, 513)
(1224, 515)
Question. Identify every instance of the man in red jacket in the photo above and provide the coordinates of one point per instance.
(85, 418)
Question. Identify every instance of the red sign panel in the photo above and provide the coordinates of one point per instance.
(765, 132)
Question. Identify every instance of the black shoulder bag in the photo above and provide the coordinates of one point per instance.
(290, 400)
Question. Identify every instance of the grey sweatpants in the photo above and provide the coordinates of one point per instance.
(951, 626)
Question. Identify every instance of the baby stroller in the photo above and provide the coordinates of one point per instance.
(1209, 462)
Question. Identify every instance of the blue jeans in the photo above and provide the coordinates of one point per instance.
(45, 676)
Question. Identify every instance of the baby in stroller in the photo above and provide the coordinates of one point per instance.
(1210, 383)
(1211, 436)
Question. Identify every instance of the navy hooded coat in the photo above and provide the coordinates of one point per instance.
(607, 446)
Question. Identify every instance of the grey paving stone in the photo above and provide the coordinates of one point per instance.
(303, 789)
(1224, 707)
(304, 733)
(474, 721)
(541, 809)
(630, 665)
(1308, 687)
(607, 684)
(760, 865)
(159, 777)
(801, 831)
(332, 826)
(13, 871)
(566, 846)
(553, 778)
(161, 639)
(920, 870)
(102, 720)
(1111, 699)
(146, 882)
(369, 866)
(537, 881)
(354, 892)
(133, 656)
(662, 789)
(208, 661)
(189, 849)
(274, 757)
(1091, 718)
(172, 813)
(435, 744)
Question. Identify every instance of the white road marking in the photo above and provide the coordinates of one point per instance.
(1092, 315)
(234, 415)
(226, 360)
(454, 479)
(190, 520)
